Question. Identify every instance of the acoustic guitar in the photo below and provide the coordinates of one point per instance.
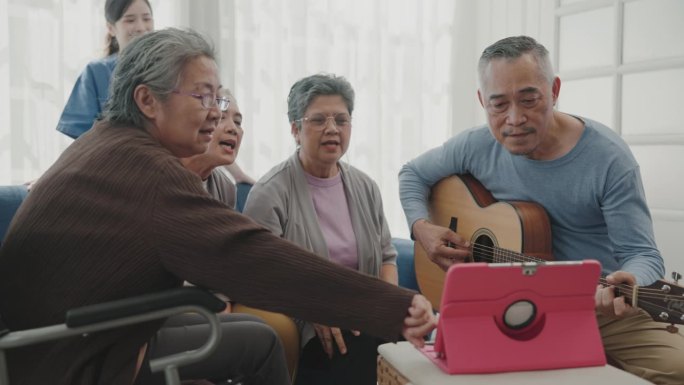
(498, 231)
(516, 231)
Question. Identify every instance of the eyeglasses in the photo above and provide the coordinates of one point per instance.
(320, 121)
(208, 100)
(499, 106)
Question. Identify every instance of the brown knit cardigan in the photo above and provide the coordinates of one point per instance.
(118, 215)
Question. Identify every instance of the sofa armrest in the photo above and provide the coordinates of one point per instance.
(407, 272)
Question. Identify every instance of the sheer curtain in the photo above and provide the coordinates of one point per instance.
(398, 56)
(44, 46)
(409, 61)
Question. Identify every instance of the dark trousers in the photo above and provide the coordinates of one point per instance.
(250, 351)
(357, 367)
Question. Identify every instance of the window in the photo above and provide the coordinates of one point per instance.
(622, 63)
(45, 45)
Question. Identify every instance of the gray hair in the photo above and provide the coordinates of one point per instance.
(305, 90)
(513, 48)
(155, 59)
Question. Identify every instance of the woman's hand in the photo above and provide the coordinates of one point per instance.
(419, 322)
(328, 335)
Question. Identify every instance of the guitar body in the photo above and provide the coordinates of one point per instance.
(492, 227)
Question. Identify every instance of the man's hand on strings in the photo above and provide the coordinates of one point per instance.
(443, 246)
(606, 301)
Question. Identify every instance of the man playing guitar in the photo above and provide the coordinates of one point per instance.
(580, 171)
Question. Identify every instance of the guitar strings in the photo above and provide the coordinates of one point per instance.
(506, 255)
(645, 293)
(512, 256)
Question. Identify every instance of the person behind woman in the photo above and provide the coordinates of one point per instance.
(333, 209)
(118, 215)
(223, 150)
(126, 19)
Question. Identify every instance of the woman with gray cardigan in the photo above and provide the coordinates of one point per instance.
(332, 209)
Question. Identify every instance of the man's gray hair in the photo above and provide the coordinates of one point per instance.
(305, 90)
(513, 48)
(155, 59)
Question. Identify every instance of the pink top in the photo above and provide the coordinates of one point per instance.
(330, 203)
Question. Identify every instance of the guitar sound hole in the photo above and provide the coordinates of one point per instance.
(483, 249)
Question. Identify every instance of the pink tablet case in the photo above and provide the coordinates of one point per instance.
(473, 338)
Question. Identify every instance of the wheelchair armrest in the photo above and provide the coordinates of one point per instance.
(109, 315)
(147, 303)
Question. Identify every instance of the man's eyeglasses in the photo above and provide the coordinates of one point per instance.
(500, 105)
(320, 121)
(208, 100)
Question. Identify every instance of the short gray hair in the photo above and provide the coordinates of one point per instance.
(305, 90)
(155, 59)
(513, 48)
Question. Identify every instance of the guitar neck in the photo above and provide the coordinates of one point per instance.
(663, 301)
